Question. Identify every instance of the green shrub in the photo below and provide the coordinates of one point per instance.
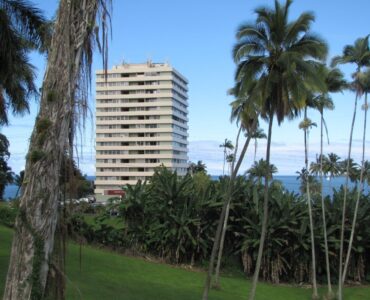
(7, 215)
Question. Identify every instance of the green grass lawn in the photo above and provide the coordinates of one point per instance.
(106, 275)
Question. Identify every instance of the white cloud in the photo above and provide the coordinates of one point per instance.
(287, 156)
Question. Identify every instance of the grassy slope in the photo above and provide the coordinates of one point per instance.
(106, 275)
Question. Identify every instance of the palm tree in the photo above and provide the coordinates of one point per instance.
(22, 29)
(259, 134)
(364, 82)
(306, 125)
(18, 180)
(259, 170)
(359, 54)
(335, 83)
(367, 172)
(332, 165)
(227, 145)
(282, 57)
(230, 159)
(245, 112)
(194, 168)
(62, 103)
(351, 169)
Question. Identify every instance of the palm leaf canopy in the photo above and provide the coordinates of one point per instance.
(22, 28)
(282, 57)
(358, 54)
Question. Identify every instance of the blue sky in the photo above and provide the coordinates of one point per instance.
(196, 37)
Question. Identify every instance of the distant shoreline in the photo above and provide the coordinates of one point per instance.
(290, 182)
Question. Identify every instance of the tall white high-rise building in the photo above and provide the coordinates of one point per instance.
(141, 123)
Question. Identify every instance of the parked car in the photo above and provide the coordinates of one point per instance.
(91, 198)
(83, 200)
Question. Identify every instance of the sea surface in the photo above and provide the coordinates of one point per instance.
(291, 183)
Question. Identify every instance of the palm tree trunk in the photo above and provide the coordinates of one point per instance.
(33, 240)
(340, 278)
(358, 195)
(18, 189)
(252, 292)
(224, 227)
(330, 291)
(255, 150)
(217, 239)
(313, 254)
(221, 248)
(223, 167)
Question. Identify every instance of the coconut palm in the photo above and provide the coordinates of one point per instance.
(332, 165)
(351, 169)
(62, 104)
(259, 170)
(227, 145)
(335, 82)
(194, 168)
(364, 83)
(306, 125)
(358, 54)
(22, 28)
(244, 111)
(230, 159)
(367, 172)
(259, 134)
(281, 55)
(315, 166)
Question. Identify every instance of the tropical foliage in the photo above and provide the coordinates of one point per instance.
(22, 28)
(6, 174)
(174, 218)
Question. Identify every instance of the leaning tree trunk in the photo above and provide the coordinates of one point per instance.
(217, 239)
(224, 227)
(359, 192)
(340, 273)
(327, 261)
(313, 253)
(252, 292)
(33, 241)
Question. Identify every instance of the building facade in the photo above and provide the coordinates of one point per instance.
(141, 123)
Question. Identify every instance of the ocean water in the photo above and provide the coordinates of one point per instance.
(291, 183)
(10, 191)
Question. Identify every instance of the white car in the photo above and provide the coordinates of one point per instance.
(83, 200)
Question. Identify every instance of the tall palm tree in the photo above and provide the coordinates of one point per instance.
(281, 55)
(64, 93)
(358, 54)
(332, 165)
(335, 82)
(364, 82)
(227, 145)
(306, 125)
(22, 28)
(259, 134)
(244, 111)
(351, 169)
(259, 169)
(367, 172)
